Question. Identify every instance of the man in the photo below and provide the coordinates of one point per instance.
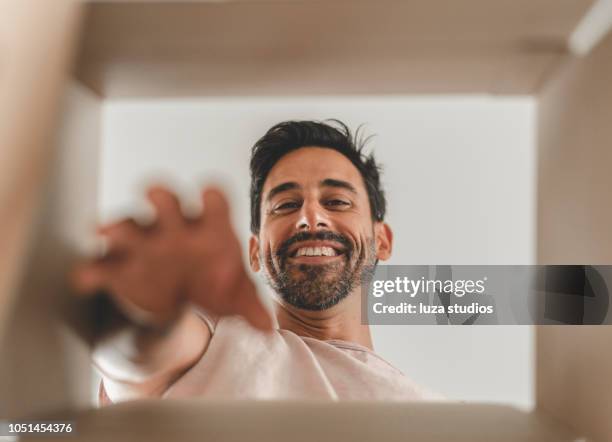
(317, 222)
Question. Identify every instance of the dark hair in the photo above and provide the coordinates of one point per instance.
(288, 136)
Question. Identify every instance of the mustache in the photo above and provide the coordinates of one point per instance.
(324, 235)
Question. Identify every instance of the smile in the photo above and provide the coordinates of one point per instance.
(315, 251)
(314, 259)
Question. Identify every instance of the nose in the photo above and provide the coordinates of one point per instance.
(312, 217)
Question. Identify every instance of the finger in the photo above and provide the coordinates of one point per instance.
(167, 207)
(216, 207)
(121, 235)
(221, 283)
(89, 277)
(231, 292)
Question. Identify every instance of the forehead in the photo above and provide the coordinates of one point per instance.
(310, 165)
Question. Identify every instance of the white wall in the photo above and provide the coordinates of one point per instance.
(460, 178)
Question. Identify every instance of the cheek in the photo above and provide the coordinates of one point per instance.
(366, 243)
(266, 258)
(269, 255)
(272, 246)
(277, 232)
(356, 231)
(266, 251)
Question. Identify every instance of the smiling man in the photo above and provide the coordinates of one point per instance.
(318, 230)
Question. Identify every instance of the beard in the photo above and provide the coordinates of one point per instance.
(321, 286)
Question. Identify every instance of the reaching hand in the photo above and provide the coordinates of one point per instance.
(159, 268)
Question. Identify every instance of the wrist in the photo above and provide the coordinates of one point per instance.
(146, 318)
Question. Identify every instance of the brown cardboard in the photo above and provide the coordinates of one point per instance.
(574, 226)
(304, 47)
(306, 421)
(480, 47)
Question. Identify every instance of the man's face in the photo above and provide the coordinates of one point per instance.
(317, 236)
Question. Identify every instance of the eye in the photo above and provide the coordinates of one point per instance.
(337, 203)
(286, 207)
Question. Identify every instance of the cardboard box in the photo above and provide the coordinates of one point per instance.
(269, 48)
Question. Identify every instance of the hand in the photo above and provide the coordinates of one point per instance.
(161, 267)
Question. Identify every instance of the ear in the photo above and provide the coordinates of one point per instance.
(384, 240)
(254, 253)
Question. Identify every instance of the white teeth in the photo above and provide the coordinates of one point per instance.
(316, 251)
(328, 251)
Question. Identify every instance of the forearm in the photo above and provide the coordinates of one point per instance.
(137, 361)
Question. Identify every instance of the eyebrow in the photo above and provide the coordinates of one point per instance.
(282, 188)
(328, 182)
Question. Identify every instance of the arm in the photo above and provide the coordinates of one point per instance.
(158, 273)
(138, 362)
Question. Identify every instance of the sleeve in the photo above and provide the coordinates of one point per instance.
(210, 322)
(103, 399)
